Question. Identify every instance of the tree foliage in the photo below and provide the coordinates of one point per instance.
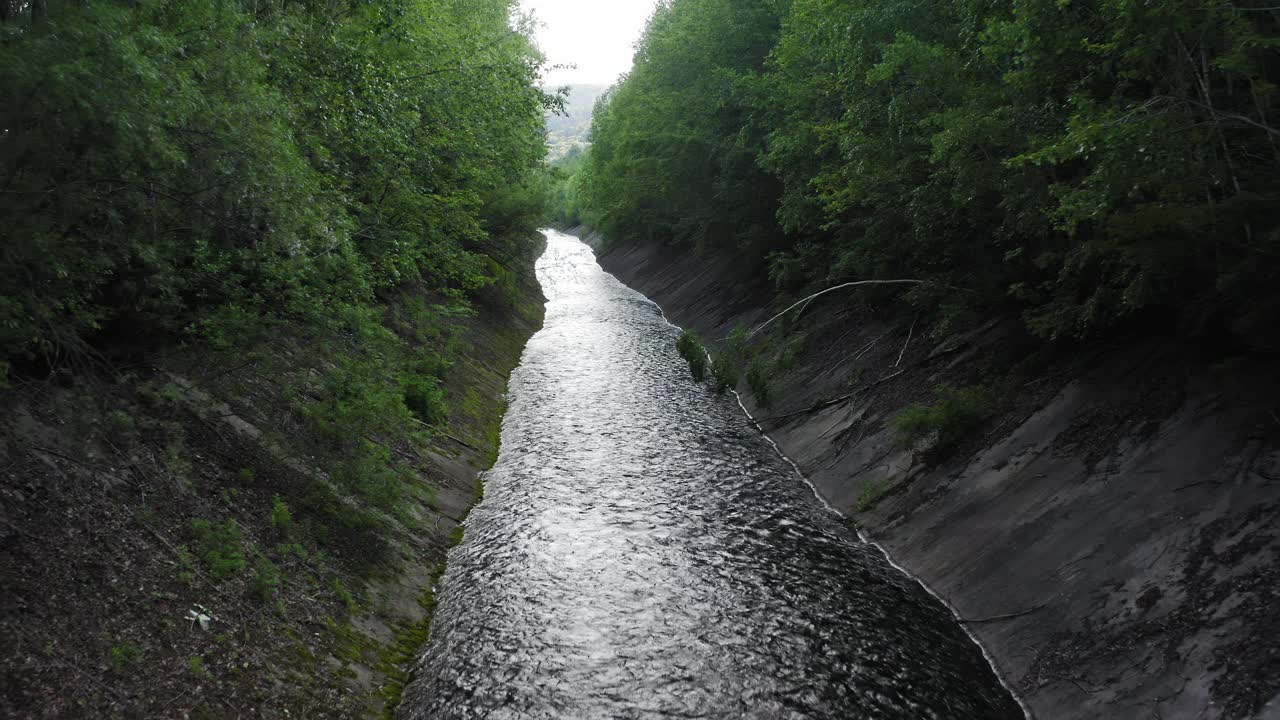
(1088, 163)
(169, 169)
(323, 187)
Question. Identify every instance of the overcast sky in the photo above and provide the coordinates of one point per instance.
(596, 35)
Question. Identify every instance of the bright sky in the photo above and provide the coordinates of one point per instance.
(596, 35)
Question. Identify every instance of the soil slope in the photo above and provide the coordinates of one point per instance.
(114, 606)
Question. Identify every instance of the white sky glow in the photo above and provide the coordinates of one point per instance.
(598, 36)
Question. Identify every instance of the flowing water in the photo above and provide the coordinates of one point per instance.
(643, 552)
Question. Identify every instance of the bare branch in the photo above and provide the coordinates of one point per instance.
(816, 295)
(910, 334)
(1219, 116)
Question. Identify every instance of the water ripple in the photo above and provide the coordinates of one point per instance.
(642, 552)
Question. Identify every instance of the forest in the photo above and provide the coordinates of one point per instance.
(1094, 166)
(209, 168)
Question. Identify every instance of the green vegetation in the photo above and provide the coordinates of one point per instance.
(726, 371)
(220, 546)
(281, 518)
(423, 397)
(727, 366)
(197, 668)
(758, 381)
(186, 566)
(945, 422)
(125, 655)
(1090, 166)
(213, 169)
(694, 352)
(266, 579)
(565, 189)
(410, 638)
(873, 492)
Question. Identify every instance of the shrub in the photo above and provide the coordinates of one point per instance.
(121, 426)
(725, 372)
(790, 355)
(348, 600)
(758, 381)
(125, 655)
(281, 519)
(423, 396)
(946, 421)
(693, 351)
(186, 566)
(220, 547)
(266, 578)
(872, 493)
(197, 668)
(739, 340)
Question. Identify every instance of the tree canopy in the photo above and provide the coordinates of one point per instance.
(202, 168)
(1089, 164)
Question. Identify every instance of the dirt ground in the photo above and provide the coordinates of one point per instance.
(111, 606)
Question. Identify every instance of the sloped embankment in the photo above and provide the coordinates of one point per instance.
(1106, 523)
(140, 505)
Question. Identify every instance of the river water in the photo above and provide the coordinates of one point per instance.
(643, 552)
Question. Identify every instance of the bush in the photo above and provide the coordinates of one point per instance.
(758, 381)
(693, 351)
(266, 579)
(197, 668)
(125, 655)
(121, 427)
(423, 397)
(739, 342)
(348, 600)
(281, 518)
(220, 547)
(872, 493)
(945, 422)
(725, 372)
(186, 566)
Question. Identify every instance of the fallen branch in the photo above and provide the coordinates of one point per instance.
(807, 300)
(863, 351)
(828, 403)
(833, 425)
(911, 333)
(1006, 616)
(812, 409)
(460, 441)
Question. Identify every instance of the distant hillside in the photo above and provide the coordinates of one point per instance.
(565, 132)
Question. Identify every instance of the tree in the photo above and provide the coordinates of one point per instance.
(1089, 165)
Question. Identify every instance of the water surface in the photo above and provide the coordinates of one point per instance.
(642, 552)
